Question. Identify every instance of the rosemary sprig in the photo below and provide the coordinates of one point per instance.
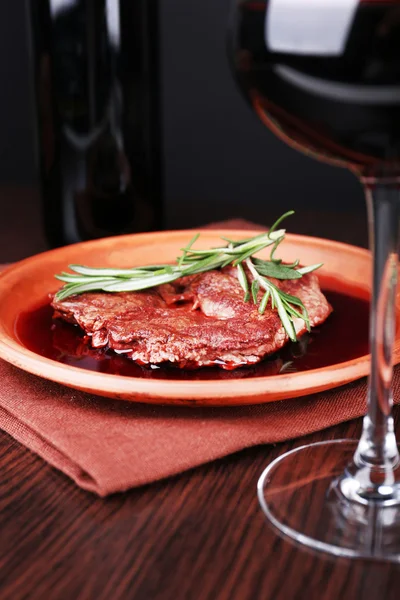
(239, 254)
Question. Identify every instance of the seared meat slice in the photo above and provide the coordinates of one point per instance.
(197, 321)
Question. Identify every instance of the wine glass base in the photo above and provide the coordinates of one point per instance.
(301, 494)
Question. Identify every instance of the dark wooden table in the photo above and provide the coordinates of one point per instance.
(200, 535)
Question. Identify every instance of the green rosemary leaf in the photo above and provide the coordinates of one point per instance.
(274, 248)
(235, 243)
(293, 265)
(291, 299)
(287, 322)
(273, 303)
(96, 272)
(243, 256)
(264, 302)
(227, 262)
(255, 286)
(276, 271)
(75, 279)
(292, 311)
(207, 264)
(80, 288)
(188, 247)
(228, 240)
(258, 243)
(243, 279)
(279, 221)
(136, 285)
(310, 269)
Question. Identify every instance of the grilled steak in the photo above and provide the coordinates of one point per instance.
(196, 321)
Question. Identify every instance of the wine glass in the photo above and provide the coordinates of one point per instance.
(324, 76)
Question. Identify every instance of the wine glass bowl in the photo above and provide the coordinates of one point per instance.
(324, 76)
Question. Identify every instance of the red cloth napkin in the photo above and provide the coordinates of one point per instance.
(108, 446)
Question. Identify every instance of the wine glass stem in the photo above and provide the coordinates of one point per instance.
(377, 448)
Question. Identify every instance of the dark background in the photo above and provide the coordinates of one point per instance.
(220, 162)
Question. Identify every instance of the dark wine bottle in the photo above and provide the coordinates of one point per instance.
(96, 75)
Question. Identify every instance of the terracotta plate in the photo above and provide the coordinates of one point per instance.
(27, 283)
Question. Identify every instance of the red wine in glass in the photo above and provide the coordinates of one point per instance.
(324, 76)
(334, 96)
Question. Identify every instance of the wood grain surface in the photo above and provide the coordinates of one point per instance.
(200, 535)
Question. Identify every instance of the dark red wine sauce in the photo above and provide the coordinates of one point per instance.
(342, 337)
